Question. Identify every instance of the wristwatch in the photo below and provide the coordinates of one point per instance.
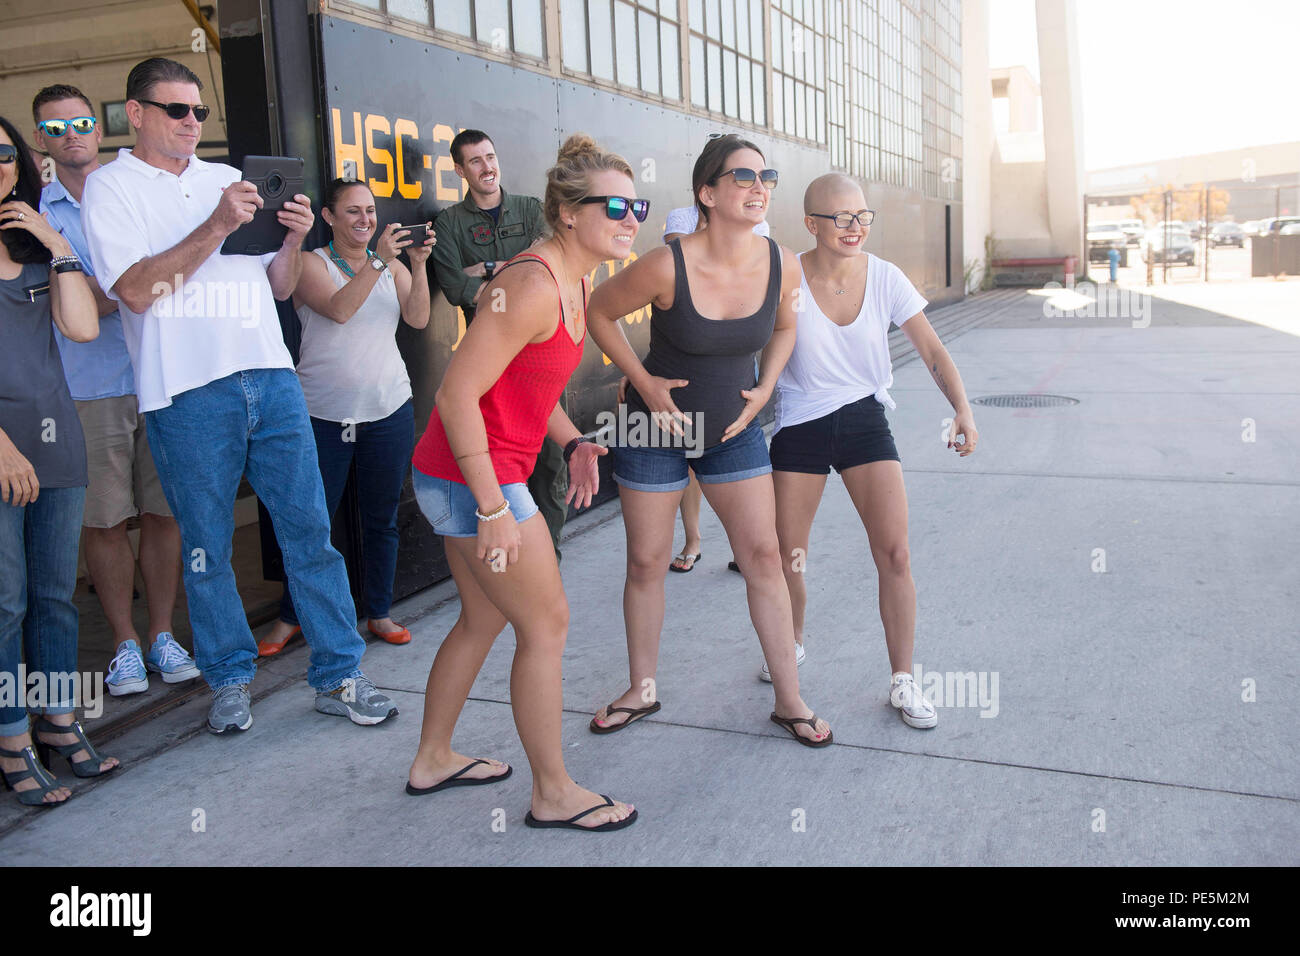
(489, 267)
(572, 446)
(377, 264)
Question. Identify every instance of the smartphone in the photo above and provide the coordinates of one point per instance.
(418, 233)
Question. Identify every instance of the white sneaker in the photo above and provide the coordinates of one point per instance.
(916, 711)
(766, 675)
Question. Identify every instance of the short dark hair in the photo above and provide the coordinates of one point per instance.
(467, 137)
(22, 245)
(147, 73)
(712, 162)
(59, 91)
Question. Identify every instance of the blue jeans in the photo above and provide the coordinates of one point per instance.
(383, 454)
(38, 573)
(252, 423)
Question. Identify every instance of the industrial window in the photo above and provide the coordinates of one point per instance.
(799, 68)
(501, 24)
(631, 42)
(726, 57)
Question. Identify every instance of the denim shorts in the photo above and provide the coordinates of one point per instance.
(855, 434)
(452, 510)
(668, 469)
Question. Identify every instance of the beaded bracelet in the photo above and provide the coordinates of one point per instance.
(497, 513)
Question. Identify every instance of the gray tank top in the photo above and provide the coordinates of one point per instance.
(715, 355)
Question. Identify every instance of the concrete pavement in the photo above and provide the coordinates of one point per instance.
(1117, 576)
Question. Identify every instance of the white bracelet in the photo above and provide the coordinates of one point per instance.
(501, 510)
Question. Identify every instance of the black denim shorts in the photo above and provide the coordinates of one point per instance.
(854, 434)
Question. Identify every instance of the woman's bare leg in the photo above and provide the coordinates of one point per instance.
(877, 492)
(690, 520)
(747, 510)
(531, 597)
(453, 673)
(648, 521)
(797, 498)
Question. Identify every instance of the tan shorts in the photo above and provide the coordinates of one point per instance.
(123, 480)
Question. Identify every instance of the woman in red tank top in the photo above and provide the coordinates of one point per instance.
(498, 399)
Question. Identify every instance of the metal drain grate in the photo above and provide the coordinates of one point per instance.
(1025, 401)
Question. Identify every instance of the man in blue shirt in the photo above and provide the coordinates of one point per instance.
(123, 480)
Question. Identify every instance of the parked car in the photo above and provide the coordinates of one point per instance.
(1133, 228)
(1169, 246)
(1196, 229)
(1271, 227)
(1227, 234)
(1250, 227)
(1290, 229)
(1103, 237)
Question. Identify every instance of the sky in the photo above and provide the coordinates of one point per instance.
(1165, 78)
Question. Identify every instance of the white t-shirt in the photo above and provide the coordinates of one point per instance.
(222, 320)
(687, 218)
(353, 372)
(833, 366)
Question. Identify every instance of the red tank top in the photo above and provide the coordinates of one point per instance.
(517, 406)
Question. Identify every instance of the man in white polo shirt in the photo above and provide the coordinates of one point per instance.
(218, 390)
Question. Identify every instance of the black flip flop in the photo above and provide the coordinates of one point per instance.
(789, 722)
(455, 780)
(733, 566)
(683, 556)
(634, 714)
(571, 824)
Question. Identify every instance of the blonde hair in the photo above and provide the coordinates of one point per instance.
(569, 180)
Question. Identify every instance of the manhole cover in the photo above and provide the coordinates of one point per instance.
(1025, 401)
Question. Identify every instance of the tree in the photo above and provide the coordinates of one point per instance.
(1186, 203)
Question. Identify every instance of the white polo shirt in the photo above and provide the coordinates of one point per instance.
(222, 320)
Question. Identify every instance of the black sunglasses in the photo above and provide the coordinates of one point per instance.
(178, 111)
(57, 127)
(845, 219)
(745, 177)
(8, 153)
(616, 207)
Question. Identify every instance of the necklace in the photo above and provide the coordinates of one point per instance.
(573, 306)
(342, 263)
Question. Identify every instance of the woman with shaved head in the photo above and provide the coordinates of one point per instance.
(830, 413)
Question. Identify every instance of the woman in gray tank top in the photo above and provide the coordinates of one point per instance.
(716, 297)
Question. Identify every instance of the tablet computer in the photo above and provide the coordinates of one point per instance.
(278, 179)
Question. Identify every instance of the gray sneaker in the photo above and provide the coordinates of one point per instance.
(358, 700)
(231, 708)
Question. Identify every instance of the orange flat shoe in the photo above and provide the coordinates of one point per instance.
(269, 648)
(392, 637)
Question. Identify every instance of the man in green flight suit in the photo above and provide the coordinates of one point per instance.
(476, 236)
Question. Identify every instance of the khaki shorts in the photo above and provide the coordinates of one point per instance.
(123, 480)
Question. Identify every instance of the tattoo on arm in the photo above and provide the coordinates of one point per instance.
(940, 380)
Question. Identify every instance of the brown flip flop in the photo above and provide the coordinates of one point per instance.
(634, 714)
(789, 722)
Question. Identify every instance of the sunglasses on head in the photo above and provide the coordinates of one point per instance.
(8, 153)
(178, 111)
(616, 207)
(745, 177)
(57, 127)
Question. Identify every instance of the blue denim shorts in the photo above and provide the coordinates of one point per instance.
(452, 510)
(668, 469)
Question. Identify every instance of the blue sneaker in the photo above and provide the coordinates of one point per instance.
(168, 658)
(126, 673)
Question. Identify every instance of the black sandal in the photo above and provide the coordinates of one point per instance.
(84, 768)
(634, 714)
(572, 824)
(34, 797)
(789, 722)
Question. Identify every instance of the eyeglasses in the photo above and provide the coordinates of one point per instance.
(178, 111)
(8, 154)
(845, 219)
(616, 207)
(57, 127)
(745, 177)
